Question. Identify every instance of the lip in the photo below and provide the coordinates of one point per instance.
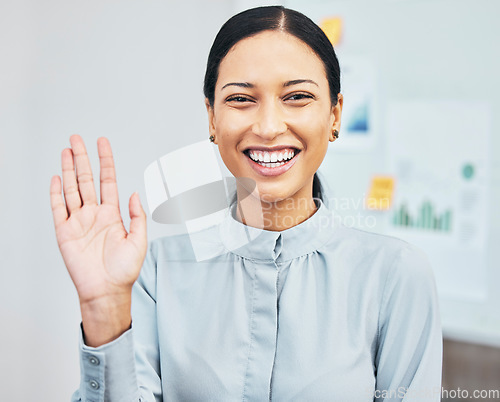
(269, 171)
(270, 149)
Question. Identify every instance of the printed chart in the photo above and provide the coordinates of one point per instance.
(427, 218)
(439, 155)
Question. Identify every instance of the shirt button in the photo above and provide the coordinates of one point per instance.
(94, 361)
(94, 384)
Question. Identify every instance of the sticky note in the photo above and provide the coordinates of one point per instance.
(332, 27)
(380, 193)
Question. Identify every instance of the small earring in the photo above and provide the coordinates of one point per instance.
(335, 134)
(212, 138)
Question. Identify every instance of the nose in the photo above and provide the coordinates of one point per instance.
(269, 121)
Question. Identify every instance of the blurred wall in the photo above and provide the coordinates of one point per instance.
(129, 70)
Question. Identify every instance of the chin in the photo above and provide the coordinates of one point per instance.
(274, 196)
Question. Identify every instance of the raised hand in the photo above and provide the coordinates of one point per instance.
(102, 259)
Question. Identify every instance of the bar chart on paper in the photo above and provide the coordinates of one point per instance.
(441, 193)
(426, 218)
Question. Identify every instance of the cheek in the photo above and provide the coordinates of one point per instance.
(232, 121)
(230, 130)
(317, 117)
(228, 149)
(317, 141)
(318, 154)
(314, 129)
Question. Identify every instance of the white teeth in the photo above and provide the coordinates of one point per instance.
(273, 159)
(256, 156)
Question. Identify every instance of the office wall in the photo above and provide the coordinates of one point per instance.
(128, 70)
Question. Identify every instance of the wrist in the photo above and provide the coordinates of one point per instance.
(106, 318)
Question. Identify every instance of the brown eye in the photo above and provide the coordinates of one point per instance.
(238, 99)
(299, 96)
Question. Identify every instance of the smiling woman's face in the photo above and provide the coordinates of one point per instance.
(272, 103)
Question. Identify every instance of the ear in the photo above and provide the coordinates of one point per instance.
(211, 119)
(336, 116)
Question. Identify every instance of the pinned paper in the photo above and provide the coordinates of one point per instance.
(381, 192)
(332, 27)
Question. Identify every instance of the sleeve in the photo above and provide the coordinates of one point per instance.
(128, 368)
(409, 355)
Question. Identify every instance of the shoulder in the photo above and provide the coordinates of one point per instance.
(405, 275)
(370, 240)
(404, 262)
(170, 246)
(392, 259)
(177, 250)
(397, 271)
(190, 246)
(399, 250)
(372, 245)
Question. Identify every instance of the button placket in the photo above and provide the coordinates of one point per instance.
(263, 332)
(94, 361)
(94, 384)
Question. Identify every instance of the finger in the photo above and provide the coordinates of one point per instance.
(137, 234)
(59, 212)
(83, 170)
(109, 189)
(70, 186)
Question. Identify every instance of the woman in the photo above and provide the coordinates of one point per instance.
(286, 304)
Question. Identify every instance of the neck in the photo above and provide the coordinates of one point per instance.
(274, 215)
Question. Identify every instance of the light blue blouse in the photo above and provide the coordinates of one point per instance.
(318, 312)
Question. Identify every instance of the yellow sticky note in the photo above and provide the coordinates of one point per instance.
(332, 27)
(381, 192)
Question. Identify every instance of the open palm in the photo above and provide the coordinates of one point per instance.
(103, 260)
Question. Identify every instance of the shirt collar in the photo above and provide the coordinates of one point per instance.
(259, 244)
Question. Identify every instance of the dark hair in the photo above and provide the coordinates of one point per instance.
(274, 18)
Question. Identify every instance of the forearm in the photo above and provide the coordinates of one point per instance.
(104, 320)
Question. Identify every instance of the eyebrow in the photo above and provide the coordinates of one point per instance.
(295, 82)
(286, 84)
(238, 84)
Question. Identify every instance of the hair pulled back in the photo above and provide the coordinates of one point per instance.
(273, 18)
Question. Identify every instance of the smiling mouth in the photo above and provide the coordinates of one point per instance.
(272, 159)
